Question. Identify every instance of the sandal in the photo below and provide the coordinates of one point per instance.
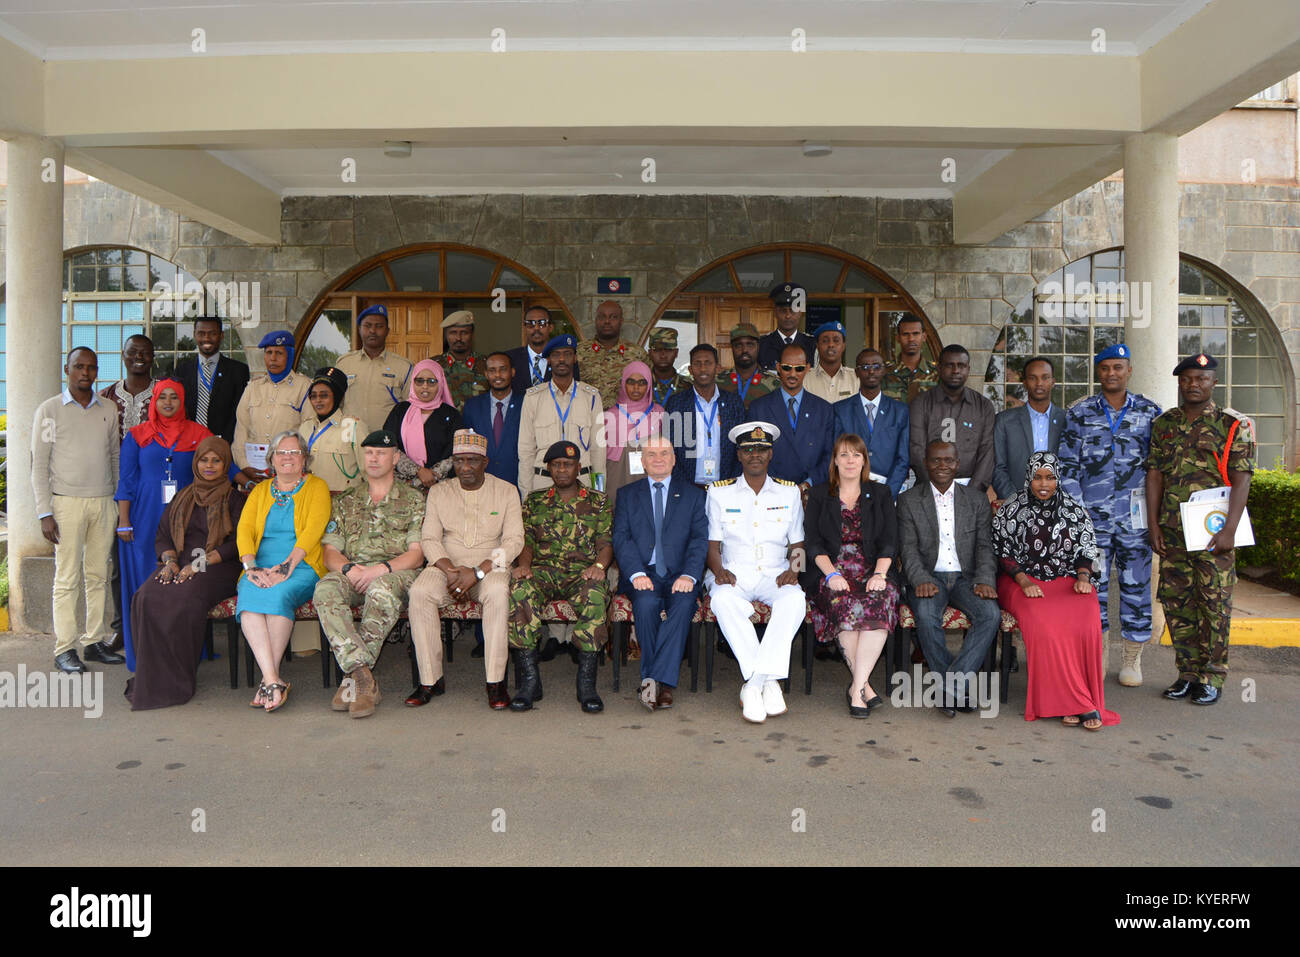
(1090, 717)
(1071, 721)
(271, 689)
(259, 699)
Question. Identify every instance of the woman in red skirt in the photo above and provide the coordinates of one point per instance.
(1047, 550)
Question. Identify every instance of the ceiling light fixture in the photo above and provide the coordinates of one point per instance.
(398, 149)
(816, 149)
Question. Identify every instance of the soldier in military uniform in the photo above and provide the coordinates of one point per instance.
(1103, 453)
(602, 359)
(663, 365)
(377, 378)
(371, 550)
(466, 371)
(755, 544)
(747, 380)
(1194, 447)
(561, 409)
(911, 373)
(568, 547)
(273, 403)
(333, 439)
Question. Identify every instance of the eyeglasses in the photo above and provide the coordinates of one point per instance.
(788, 368)
(537, 322)
(870, 366)
(426, 381)
(288, 451)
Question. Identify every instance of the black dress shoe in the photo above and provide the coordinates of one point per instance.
(103, 654)
(875, 702)
(423, 694)
(854, 710)
(69, 663)
(1178, 690)
(825, 652)
(948, 711)
(477, 652)
(1204, 694)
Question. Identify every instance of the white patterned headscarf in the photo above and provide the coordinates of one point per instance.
(1044, 539)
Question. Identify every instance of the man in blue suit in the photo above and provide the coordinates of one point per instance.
(1033, 427)
(803, 452)
(661, 538)
(495, 414)
(698, 420)
(878, 420)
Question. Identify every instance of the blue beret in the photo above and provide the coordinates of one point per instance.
(1117, 351)
(1196, 362)
(830, 327)
(565, 341)
(379, 309)
(280, 338)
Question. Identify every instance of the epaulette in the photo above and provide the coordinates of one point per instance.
(722, 483)
(1079, 401)
(785, 482)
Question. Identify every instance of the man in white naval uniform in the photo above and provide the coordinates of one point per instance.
(755, 548)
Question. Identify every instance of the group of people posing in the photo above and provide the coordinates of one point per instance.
(566, 471)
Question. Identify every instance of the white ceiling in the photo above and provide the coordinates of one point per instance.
(111, 29)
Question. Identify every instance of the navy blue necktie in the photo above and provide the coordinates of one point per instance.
(661, 567)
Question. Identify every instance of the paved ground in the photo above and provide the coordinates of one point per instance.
(1177, 784)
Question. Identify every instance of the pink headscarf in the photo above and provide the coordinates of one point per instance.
(413, 421)
(627, 422)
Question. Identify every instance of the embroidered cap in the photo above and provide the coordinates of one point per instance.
(468, 442)
(1196, 362)
(462, 317)
(563, 341)
(754, 433)
(280, 338)
(1117, 351)
(379, 439)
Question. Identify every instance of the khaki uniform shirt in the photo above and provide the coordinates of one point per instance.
(374, 385)
(335, 446)
(266, 409)
(369, 532)
(469, 527)
(540, 427)
(832, 389)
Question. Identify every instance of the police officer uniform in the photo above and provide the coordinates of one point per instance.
(1103, 453)
(755, 532)
(334, 442)
(268, 406)
(832, 388)
(466, 377)
(367, 533)
(773, 344)
(550, 415)
(374, 385)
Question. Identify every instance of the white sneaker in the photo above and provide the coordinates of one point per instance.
(773, 701)
(751, 700)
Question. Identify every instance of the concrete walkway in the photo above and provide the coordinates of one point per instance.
(1178, 785)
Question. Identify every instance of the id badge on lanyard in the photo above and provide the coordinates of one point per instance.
(634, 466)
(169, 484)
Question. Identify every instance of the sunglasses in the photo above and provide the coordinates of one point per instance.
(870, 366)
(537, 322)
(422, 381)
(789, 368)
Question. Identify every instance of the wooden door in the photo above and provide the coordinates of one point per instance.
(719, 315)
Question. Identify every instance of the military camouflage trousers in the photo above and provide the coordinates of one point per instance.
(359, 643)
(590, 600)
(1129, 553)
(1196, 592)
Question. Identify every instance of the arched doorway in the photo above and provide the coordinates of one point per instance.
(734, 289)
(1215, 315)
(419, 285)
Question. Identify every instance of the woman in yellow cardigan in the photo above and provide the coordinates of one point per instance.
(279, 543)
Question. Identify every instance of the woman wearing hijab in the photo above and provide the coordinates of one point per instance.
(156, 463)
(629, 422)
(333, 439)
(424, 426)
(1048, 552)
(197, 569)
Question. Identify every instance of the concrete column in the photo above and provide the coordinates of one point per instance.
(33, 300)
(1151, 259)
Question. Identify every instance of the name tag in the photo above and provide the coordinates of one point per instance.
(1137, 508)
(734, 510)
(634, 463)
(168, 491)
(710, 467)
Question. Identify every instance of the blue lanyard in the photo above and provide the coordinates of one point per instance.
(708, 419)
(662, 398)
(168, 460)
(564, 416)
(316, 435)
(748, 382)
(1113, 422)
(631, 426)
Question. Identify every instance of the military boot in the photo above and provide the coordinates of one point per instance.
(587, 696)
(530, 680)
(367, 693)
(347, 691)
(1130, 675)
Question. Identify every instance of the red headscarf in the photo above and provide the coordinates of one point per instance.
(413, 420)
(176, 432)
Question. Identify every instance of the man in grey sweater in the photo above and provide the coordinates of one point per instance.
(75, 448)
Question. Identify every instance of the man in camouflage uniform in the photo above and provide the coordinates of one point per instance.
(663, 365)
(1193, 447)
(372, 553)
(746, 379)
(601, 360)
(1103, 455)
(466, 371)
(568, 546)
(911, 373)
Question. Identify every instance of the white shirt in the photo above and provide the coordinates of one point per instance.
(945, 506)
(755, 530)
(871, 407)
(535, 358)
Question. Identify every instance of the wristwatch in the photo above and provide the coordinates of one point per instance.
(479, 573)
(347, 568)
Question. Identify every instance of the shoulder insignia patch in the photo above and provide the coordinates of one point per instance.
(785, 482)
(722, 483)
